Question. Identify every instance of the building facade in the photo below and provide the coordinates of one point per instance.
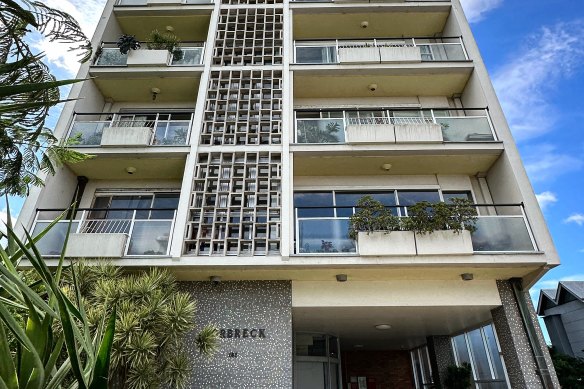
(562, 310)
(237, 163)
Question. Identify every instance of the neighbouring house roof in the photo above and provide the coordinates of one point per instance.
(566, 290)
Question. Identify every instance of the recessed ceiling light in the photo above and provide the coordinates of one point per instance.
(383, 326)
(358, 346)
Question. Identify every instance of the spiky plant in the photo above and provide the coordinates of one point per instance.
(153, 317)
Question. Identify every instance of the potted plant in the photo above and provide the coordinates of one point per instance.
(458, 377)
(442, 228)
(126, 43)
(378, 231)
(166, 41)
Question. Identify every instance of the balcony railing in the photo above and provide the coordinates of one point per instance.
(148, 231)
(393, 125)
(87, 129)
(380, 50)
(500, 228)
(142, 3)
(110, 55)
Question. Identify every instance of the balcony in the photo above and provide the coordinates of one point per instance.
(501, 229)
(107, 233)
(130, 129)
(375, 51)
(394, 126)
(110, 55)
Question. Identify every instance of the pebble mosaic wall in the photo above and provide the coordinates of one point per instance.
(256, 348)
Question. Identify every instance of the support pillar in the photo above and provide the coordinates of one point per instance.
(441, 356)
(527, 359)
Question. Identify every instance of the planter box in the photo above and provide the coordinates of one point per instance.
(126, 136)
(444, 243)
(96, 245)
(381, 243)
(148, 58)
(370, 133)
(418, 133)
(400, 54)
(359, 55)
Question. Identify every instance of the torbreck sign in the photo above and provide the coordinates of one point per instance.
(229, 333)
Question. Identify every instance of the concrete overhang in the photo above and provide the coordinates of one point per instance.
(393, 80)
(151, 163)
(189, 23)
(337, 21)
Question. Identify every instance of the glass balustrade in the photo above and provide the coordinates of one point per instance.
(190, 56)
(148, 230)
(111, 56)
(466, 129)
(497, 233)
(171, 133)
(320, 131)
(87, 133)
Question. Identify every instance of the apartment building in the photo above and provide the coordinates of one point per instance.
(238, 163)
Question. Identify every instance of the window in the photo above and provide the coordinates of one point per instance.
(479, 348)
(421, 367)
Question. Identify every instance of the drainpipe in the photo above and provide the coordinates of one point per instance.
(78, 195)
(538, 352)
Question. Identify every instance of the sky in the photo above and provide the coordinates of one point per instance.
(534, 52)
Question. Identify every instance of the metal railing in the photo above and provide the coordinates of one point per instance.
(367, 1)
(86, 129)
(141, 3)
(188, 54)
(330, 51)
(500, 228)
(149, 230)
(457, 125)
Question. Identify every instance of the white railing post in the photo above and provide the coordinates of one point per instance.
(130, 231)
(491, 125)
(171, 233)
(528, 226)
(297, 232)
(73, 120)
(338, 60)
(81, 221)
(433, 116)
(463, 48)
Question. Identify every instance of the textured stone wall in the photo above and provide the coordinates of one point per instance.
(441, 356)
(388, 369)
(244, 361)
(517, 352)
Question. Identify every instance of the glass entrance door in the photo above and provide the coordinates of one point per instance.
(316, 361)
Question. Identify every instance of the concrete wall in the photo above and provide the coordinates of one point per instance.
(243, 362)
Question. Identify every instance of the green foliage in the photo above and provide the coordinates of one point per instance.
(456, 216)
(51, 340)
(310, 132)
(570, 370)
(424, 217)
(153, 317)
(372, 215)
(127, 42)
(165, 41)
(28, 90)
(458, 377)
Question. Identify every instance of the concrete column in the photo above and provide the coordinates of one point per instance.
(518, 352)
(441, 356)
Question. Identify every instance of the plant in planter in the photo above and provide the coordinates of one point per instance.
(127, 43)
(456, 216)
(372, 216)
(458, 377)
(165, 41)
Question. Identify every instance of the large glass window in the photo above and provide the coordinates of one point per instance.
(316, 361)
(479, 348)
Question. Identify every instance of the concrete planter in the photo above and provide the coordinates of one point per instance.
(444, 243)
(359, 55)
(400, 54)
(418, 133)
(370, 133)
(148, 58)
(96, 245)
(126, 136)
(381, 243)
